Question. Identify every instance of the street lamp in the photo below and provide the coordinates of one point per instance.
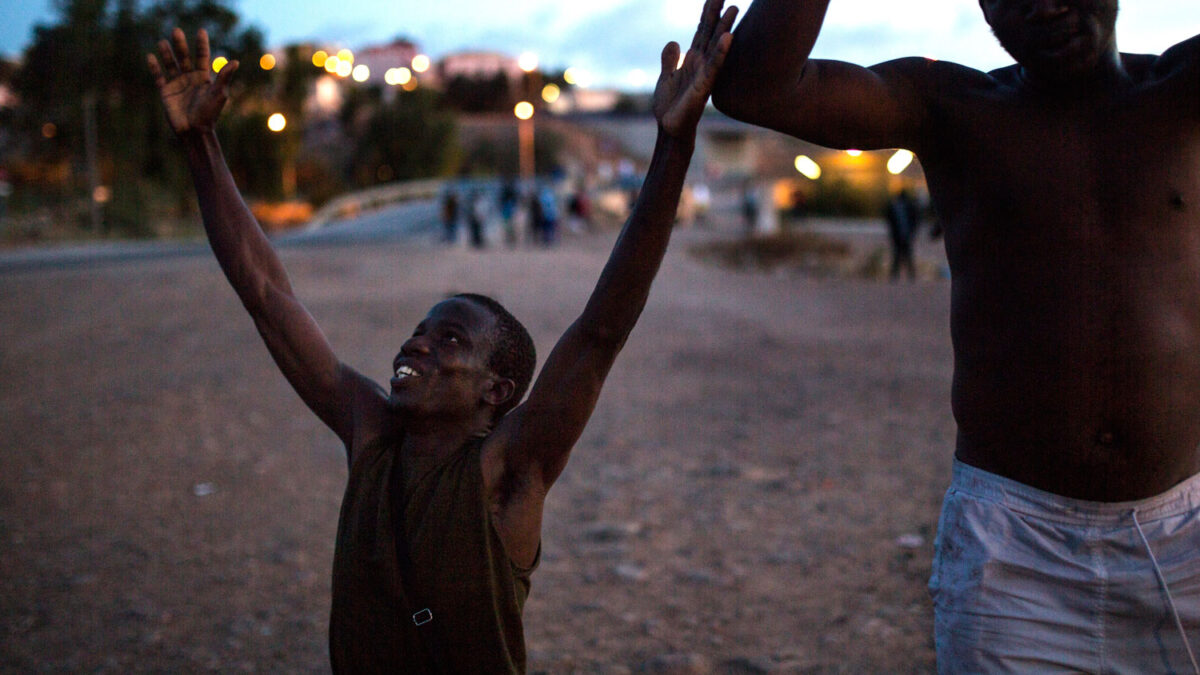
(524, 114)
(530, 86)
(807, 167)
(899, 162)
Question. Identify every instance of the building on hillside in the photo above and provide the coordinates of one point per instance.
(581, 100)
(380, 58)
(478, 65)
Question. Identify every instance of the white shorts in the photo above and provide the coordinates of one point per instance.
(1028, 581)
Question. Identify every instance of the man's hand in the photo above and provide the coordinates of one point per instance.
(680, 95)
(192, 97)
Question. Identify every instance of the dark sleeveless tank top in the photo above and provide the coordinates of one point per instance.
(421, 580)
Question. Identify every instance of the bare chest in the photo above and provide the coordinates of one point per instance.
(1112, 184)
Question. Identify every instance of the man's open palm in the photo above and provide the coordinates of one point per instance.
(192, 97)
(681, 93)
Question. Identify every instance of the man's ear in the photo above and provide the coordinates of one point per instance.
(499, 390)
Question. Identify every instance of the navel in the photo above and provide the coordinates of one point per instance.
(1176, 200)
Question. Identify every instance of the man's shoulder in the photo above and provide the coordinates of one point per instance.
(1181, 58)
(945, 78)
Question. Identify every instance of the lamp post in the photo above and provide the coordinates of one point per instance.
(524, 110)
(524, 114)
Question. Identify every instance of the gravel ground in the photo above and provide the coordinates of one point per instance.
(757, 490)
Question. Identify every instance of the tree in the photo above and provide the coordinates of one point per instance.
(89, 69)
(478, 94)
(410, 136)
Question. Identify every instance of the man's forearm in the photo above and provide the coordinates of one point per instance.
(241, 248)
(770, 48)
(624, 285)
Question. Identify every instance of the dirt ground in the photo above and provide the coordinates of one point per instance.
(757, 491)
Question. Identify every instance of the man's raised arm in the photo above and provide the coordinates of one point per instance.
(193, 100)
(538, 435)
(770, 81)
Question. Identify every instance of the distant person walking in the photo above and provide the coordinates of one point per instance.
(544, 213)
(902, 220)
(450, 215)
(477, 212)
(509, 201)
(580, 209)
(750, 206)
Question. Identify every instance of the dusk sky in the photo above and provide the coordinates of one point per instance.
(618, 41)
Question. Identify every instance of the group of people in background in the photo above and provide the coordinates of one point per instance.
(519, 213)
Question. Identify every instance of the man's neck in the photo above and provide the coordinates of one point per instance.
(439, 437)
(1106, 76)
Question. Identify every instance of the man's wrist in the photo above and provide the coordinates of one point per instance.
(676, 142)
(196, 140)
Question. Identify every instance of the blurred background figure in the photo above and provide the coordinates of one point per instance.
(579, 210)
(902, 220)
(477, 213)
(450, 214)
(509, 200)
(750, 206)
(543, 214)
(5, 193)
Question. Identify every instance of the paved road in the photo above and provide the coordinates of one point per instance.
(399, 222)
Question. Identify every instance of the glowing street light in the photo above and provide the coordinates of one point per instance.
(219, 63)
(344, 68)
(267, 62)
(397, 76)
(578, 77)
(346, 55)
(361, 72)
(899, 162)
(807, 167)
(854, 153)
(523, 110)
(319, 58)
(331, 64)
(550, 93)
(328, 94)
(49, 130)
(409, 85)
(528, 62)
(420, 63)
(276, 122)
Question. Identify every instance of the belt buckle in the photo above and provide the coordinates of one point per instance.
(422, 617)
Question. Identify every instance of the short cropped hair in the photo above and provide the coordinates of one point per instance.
(513, 354)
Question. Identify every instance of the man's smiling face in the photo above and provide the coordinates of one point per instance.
(442, 370)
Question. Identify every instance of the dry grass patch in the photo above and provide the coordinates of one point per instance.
(804, 252)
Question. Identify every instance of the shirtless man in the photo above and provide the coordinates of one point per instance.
(440, 526)
(1069, 184)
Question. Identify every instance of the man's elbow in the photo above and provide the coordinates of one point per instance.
(733, 99)
(724, 95)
